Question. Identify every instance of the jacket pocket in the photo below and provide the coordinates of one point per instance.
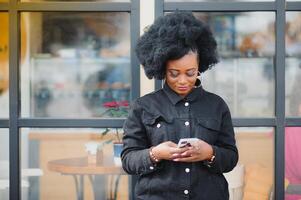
(158, 127)
(208, 129)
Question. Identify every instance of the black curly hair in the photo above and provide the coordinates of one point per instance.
(171, 37)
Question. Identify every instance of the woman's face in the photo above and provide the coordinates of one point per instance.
(181, 73)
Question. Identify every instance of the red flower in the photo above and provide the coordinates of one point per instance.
(123, 103)
(111, 104)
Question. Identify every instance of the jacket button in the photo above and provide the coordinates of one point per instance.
(187, 123)
(186, 191)
(187, 170)
(158, 125)
(186, 104)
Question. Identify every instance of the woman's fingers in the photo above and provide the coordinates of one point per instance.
(171, 144)
(186, 159)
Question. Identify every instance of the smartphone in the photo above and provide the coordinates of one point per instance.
(186, 142)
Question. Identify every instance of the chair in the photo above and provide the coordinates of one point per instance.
(235, 180)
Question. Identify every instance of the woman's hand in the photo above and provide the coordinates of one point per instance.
(168, 151)
(198, 151)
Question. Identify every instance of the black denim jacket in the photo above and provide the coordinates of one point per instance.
(165, 116)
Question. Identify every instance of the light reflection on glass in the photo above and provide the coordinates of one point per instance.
(214, 0)
(293, 64)
(79, 65)
(246, 62)
(4, 164)
(117, 1)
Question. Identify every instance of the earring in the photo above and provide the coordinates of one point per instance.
(198, 82)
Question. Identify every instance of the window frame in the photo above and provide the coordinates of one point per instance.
(15, 121)
(279, 121)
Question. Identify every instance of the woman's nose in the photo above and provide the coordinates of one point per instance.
(182, 80)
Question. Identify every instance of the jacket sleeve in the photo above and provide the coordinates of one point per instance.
(135, 155)
(226, 153)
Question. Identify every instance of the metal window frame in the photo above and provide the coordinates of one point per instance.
(15, 120)
(279, 122)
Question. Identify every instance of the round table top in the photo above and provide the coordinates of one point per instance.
(80, 166)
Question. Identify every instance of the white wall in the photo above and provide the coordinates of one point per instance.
(147, 16)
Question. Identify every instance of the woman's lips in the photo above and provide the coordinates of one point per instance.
(182, 88)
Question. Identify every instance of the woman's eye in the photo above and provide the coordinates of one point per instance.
(190, 74)
(174, 74)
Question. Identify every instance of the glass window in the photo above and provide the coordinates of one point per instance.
(78, 65)
(253, 177)
(4, 95)
(214, 0)
(293, 64)
(245, 75)
(73, 163)
(4, 164)
(120, 1)
(292, 163)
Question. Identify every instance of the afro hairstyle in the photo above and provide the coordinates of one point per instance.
(171, 37)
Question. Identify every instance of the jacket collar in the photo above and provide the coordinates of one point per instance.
(175, 98)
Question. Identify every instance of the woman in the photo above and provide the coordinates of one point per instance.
(177, 48)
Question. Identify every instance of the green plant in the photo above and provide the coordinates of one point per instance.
(116, 109)
(117, 132)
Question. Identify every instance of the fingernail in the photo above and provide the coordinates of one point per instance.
(176, 159)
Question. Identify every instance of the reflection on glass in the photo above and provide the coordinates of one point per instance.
(80, 0)
(78, 65)
(238, 81)
(242, 34)
(293, 89)
(214, 0)
(293, 64)
(4, 164)
(59, 159)
(4, 65)
(253, 177)
(292, 163)
(246, 53)
(293, 34)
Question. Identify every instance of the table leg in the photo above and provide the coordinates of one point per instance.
(99, 186)
(116, 186)
(79, 186)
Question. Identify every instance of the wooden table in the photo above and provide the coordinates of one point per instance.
(79, 167)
